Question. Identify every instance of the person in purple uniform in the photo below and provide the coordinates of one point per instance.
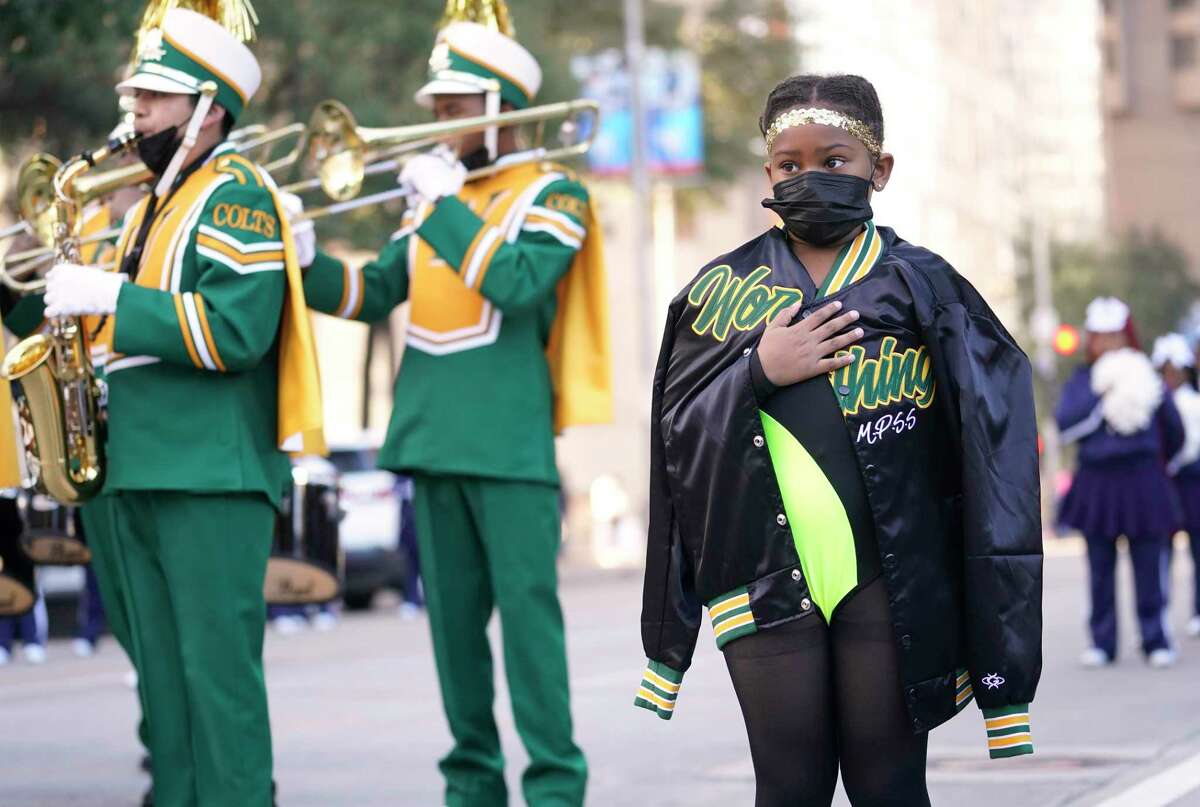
(1176, 362)
(1127, 429)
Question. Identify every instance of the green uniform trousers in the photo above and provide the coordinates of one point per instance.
(492, 544)
(190, 569)
(100, 542)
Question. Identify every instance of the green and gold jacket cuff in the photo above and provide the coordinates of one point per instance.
(659, 689)
(454, 231)
(26, 315)
(731, 616)
(333, 286)
(1008, 731)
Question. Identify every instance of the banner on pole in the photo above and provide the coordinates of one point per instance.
(671, 97)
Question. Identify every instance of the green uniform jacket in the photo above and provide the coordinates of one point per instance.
(473, 395)
(190, 357)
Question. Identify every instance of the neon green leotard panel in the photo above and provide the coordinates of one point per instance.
(820, 528)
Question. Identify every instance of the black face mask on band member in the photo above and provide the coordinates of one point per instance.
(479, 158)
(156, 150)
(821, 208)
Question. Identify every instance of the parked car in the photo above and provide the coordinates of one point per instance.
(370, 528)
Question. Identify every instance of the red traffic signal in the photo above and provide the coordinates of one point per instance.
(1066, 339)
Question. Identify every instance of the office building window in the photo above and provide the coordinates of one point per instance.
(1183, 52)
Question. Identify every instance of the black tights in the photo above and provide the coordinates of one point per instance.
(815, 695)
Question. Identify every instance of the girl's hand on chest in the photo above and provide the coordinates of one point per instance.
(790, 353)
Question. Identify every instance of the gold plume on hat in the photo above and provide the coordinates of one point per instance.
(235, 16)
(490, 13)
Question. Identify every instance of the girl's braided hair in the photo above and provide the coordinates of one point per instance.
(852, 95)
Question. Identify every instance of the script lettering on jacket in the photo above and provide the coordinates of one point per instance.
(891, 378)
(241, 217)
(743, 303)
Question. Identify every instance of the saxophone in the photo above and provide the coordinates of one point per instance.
(57, 394)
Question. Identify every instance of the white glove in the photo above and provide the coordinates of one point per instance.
(72, 289)
(432, 176)
(304, 235)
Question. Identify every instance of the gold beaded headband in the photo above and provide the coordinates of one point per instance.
(825, 117)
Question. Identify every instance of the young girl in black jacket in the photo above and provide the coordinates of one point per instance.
(844, 472)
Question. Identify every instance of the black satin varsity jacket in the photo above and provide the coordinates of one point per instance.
(939, 407)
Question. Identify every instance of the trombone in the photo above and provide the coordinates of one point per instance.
(20, 228)
(35, 188)
(35, 197)
(347, 153)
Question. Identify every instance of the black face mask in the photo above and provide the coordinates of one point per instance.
(156, 150)
(479, 158)
(821, 208)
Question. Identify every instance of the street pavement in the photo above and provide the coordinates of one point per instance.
(357, 718)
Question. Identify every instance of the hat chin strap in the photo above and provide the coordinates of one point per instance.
(208, 91)
(491, 137)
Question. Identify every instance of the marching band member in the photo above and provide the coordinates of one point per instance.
(844, 470)
(506, 344)
(1127, 429)
(210, 372)
(1176, 363)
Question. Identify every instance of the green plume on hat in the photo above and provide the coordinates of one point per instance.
(491, 13)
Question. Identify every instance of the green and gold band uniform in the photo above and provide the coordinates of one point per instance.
(480, 271)
(488, 276)
(181, 534)
(195, 473)
(210, 372)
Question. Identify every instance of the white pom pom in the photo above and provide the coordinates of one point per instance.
(1129, 388)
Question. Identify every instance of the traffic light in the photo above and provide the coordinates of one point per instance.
(1066, 339)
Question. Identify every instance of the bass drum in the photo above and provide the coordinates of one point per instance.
(52, 534)
(306, 559)
(17, 592)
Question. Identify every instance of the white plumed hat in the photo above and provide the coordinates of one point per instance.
(1106, 315)
(1173, 348)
